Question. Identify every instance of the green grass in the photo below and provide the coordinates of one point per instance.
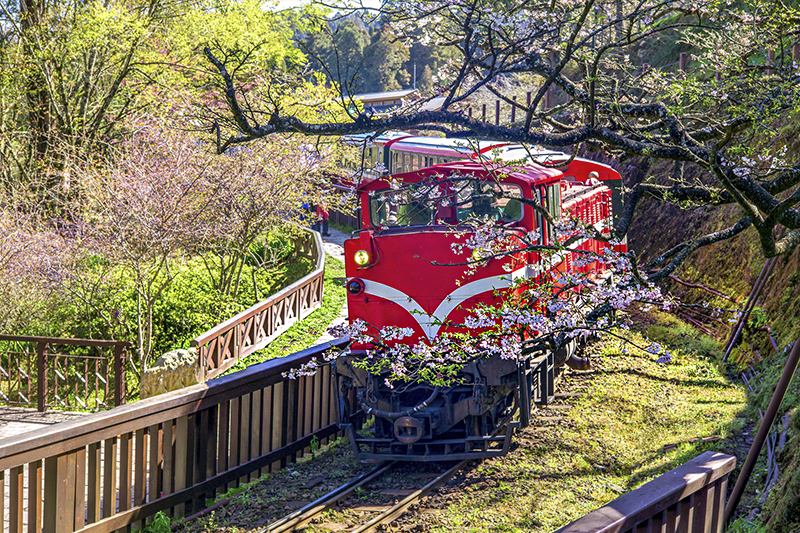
(611, 441)
(304, 334)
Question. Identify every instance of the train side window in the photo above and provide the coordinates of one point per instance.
(399, 208)
(552, 203)
(539, 218)
(555, 204)
(481, 199)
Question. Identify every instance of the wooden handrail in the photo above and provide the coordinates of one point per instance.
(66, 341)
(72, 434)
(43, 364)
(222, 346)
(114, 469)
(692, 494)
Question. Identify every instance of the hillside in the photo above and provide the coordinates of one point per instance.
(731, 267)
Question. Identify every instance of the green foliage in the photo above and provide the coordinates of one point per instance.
(161, 524)
(373, 57)
(672, 331)
(782, 511)
(103, 303)
(770, 370)
(743, 525)
(383, 62)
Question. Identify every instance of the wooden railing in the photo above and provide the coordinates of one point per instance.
(349, 219)
(251, 330)
(688, 499)
(63, 373)
(110, 470)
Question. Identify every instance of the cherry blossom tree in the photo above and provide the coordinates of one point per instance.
(718, 121)
(165, 197)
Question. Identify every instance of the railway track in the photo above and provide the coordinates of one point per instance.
(304, 516)
(372, 519)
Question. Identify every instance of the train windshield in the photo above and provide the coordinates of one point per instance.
(451, 203)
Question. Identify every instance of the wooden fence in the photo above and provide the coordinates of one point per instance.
(349, 219)
(112, 470)
(251, 330)
(688, 499)
(63, 373)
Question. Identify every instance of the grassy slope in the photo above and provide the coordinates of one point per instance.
(304, 334)
(732, 268)
(610, 441)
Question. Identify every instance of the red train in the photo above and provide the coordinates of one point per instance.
(403, 270)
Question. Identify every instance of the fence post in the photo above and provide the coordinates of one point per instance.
(514, 109)
(483, 117)
(119, 371)
(41, 371)
(497, 112)
(682, 61)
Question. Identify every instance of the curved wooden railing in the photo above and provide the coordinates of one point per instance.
(109, 470)
(688, 499)
(251, 330)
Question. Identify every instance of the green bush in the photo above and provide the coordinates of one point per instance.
(100, 300)
(161, 524)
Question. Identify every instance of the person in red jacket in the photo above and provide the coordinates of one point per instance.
(322, 218)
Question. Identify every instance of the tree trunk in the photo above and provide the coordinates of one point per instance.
(37, 96)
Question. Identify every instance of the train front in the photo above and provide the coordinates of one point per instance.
(403, 270)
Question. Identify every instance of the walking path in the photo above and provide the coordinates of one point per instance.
(333, 246)
(15, 421)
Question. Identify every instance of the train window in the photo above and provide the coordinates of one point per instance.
(415, 162)
(554, 191)
(540, 219)
(551, 201)
(476, 199)
(399, 208)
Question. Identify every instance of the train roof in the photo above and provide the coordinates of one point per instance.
(501, 150)
(531, 174)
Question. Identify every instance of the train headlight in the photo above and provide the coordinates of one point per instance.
(361, 257)
(355, 287)
(477, 255)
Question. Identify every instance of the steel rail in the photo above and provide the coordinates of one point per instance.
(300, 517)
(303, 516)
(399, 508)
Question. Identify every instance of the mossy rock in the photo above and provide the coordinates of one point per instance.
(174, 370)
